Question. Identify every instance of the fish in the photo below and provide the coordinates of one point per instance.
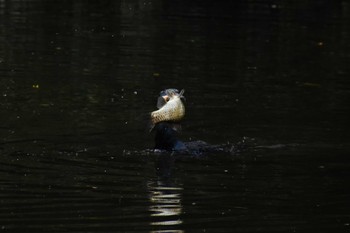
(171, 107)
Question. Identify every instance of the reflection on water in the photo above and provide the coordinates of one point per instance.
(165, 197)
(165, 202)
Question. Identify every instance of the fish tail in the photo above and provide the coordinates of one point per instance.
(182, 93)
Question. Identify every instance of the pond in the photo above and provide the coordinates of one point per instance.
(270, 80)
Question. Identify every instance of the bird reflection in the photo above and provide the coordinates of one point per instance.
(165, 198)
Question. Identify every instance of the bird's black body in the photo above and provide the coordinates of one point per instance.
(166, 137)
(167, 132)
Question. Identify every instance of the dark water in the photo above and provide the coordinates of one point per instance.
(77, 79)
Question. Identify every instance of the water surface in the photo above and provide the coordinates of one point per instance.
(77, 80)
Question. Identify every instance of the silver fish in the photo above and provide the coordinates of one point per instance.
(171, 107)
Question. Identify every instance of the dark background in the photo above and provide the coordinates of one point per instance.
(78, 78)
